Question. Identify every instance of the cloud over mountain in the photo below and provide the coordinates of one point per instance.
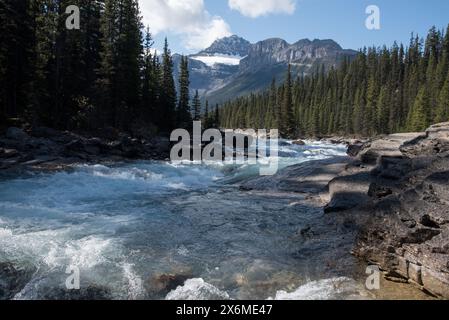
(257, 8)
(188, 18)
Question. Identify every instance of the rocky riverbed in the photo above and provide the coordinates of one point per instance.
(388, 201)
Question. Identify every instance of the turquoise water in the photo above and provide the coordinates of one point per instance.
(127, 224)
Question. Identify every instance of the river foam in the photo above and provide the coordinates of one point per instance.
(122, 224)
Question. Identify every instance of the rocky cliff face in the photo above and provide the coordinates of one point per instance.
(303, 53)
(232, 46)
(397, 189)
(233, 66)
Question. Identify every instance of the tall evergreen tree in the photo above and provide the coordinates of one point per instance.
(196, 107)
(287, 120)
(442, 113)
(420, 112)
(167, 114)
(183, 112)
(17, 51)
(217, 119)
(150, 81)
(274, 112)
(206, 117)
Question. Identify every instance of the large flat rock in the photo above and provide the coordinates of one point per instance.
(405, 221)
(309, 177)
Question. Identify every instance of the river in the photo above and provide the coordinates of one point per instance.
(126, 226)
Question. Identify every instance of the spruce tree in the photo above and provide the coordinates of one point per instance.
(184, 118)
(288, 126)
(442, 113)
(419, 116)
(206, 116)
(196, 107)
(167, 110)
(217, 122)
(17, 51)
(149, 97)
(273, 107)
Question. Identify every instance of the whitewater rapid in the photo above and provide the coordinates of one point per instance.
(127, 224)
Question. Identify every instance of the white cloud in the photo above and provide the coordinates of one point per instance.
(188, 18)
(257, 8)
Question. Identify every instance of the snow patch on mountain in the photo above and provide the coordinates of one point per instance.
(215, 59)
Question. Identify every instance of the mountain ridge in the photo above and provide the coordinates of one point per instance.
(232, 66)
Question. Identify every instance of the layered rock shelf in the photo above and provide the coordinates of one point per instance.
(396, 189)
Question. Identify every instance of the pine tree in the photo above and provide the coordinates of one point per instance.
(206, 116)
(149, 97)
(217, 122)
(107, 82)
(121, 62)
(184, 118)
(196, 107)
(129, 60)
(420, 113)
(16, 57)
(288, 126)
(273, 107)
(382, 114)
(442, 113)
(168, 92)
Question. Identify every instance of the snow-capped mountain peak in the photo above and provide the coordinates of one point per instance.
(230, 46)
(233, 67)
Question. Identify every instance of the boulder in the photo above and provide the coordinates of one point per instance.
(439, 132)
(354, 149)
(389, 146)
(161, 285)
(197, 289)
(298, 143)
(8, 153)
(44, 132)
(435, 141)
(13, 280)
(85, 293)
(347, 192)
(16, 134)
(310, 177)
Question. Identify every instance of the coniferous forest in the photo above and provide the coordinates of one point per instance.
(103, 75)
(383, 90)
(106, 75)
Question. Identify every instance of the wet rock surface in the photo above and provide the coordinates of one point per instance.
(12, 280)
(90, 293)
(397, 189)
(159, 286)
(46, 149)
(310, 177)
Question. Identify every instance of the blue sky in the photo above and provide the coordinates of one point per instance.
(191, 25)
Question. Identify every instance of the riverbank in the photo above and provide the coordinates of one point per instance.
(394, 190)
(397, 188)
(386, 204)
(45, 150)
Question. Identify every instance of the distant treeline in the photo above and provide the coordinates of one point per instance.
(383, 90)
(103, 75)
